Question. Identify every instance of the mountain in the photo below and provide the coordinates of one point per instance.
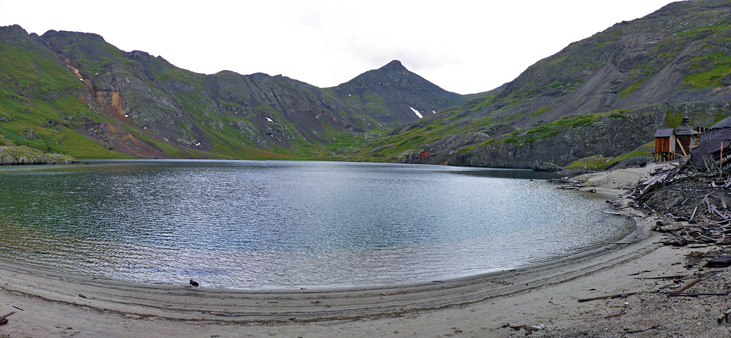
(603, 96)
(76, 94)
(393, 85)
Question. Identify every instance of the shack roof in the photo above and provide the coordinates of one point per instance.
(684, 130)
(664, 132)
(725, 123)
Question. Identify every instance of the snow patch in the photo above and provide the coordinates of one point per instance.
(433, 112)
(268, 119)
(417, 113)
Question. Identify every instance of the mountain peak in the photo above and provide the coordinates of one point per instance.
(394, 65)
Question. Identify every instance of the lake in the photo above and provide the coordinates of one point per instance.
(281, 224)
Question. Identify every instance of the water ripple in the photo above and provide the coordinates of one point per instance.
(252, 225)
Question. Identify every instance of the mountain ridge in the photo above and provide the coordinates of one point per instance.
(143, 106)
(596, 100)
(645, 73)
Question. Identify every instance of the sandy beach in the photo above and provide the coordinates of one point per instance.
(546, 296)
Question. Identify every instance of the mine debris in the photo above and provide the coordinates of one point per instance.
(719, 262)
(4, 318)
(723, 318)
(621, 295)
(695, 201)
(528, 328)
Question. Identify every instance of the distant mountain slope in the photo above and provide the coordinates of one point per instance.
(604, 95)
(408, 94)
(80, 95)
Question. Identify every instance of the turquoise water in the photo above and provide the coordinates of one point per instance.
(271, 224)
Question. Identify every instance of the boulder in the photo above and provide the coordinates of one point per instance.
(545, 167)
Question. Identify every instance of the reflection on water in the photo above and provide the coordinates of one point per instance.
(251, 225)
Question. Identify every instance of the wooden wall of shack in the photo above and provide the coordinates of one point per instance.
(664, 145)
(710, 145)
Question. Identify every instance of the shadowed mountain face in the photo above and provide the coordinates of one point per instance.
(604, 95)
(115, 103)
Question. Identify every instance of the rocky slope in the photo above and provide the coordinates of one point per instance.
(75, 93)
(12, 154)
(604, 95)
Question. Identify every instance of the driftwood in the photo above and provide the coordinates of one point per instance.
(4, 318)
(663, 277)
(723, 318)
(621, 295)
(703, 216)
(694, 294)
(678, 292)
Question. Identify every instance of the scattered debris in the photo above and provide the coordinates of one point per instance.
(719, 262)
(4, 318)
(621, 295)
(694, 202)
(694, 294)
(642, 330)
(687, 286)
(723, 318)
(694, 257)
(663, 277)
(614, 315)
(528, 328)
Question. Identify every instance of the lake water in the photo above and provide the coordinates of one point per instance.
(272, 224)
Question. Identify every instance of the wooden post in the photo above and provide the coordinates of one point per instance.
(681, 148)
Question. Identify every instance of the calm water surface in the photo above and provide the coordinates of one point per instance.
(261, 225)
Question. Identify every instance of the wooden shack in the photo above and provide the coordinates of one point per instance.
(687, 138)
(664, 145)
(673, 143)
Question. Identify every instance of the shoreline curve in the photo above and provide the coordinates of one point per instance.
(225, 306)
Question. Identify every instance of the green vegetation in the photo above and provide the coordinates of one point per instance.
(177, 113)
(599, 162)
(708, 70)
(529, 135)
(617, 115)
(673, 119)
(27, 155)
(596, 162)
(543, 110)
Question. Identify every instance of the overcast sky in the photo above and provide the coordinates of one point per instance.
(462, 46)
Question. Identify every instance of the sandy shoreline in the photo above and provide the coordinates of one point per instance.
(48, 304)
